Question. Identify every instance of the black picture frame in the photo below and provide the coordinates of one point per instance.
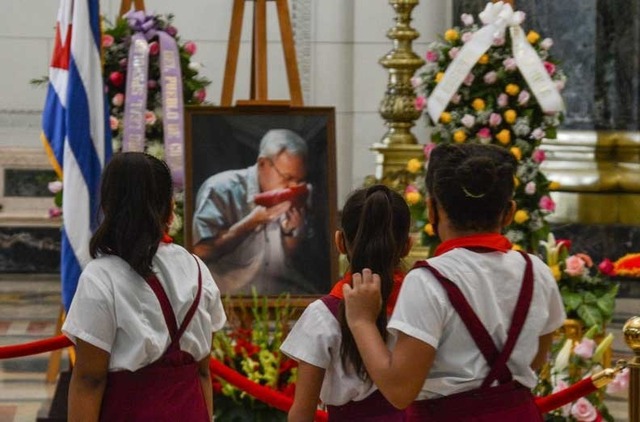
(227, 138)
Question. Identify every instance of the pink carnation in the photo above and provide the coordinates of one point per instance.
(453, 52)
(574, 266)
(538, 154)
(551, 68)
(107, 40)
(523, 97)
(584, 411)
(410, 189)
(503, 100)
(118, 100)
(200, 95)
(466, 37)
(150, 118)
(585, 348)
(469, 79)
(55, 186)
(547, 204)
(468, 121)
(620, 383)
(546, 44)
(495, 119)
(432, 56)
(154, 48)
(530, 188)
(190, 48)
(456, 99)
(490, 77)
(427, 150)
(55, 212)
(606, 267)
(416, 81)
(498, 41)
(114, 122)
(510, 64)
(467, 19)
(420, 102)
(538, 134)
(485, 132)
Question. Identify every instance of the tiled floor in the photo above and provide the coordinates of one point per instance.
(29, 306)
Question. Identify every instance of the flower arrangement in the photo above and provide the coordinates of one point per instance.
(587, 292)
(494, 104)
(252, 347)
(116, 40)
(570, 362)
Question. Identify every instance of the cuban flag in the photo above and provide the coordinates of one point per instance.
(76, 134)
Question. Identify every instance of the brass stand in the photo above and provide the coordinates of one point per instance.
(631, 332)
(397, 108)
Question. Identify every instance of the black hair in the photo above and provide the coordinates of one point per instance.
(473, 183)
(375, 225)
(135, 199)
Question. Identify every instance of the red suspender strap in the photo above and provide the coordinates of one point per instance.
(194, 305)
(496, 360)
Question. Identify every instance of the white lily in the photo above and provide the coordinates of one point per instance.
(552, 248)
(562, 359)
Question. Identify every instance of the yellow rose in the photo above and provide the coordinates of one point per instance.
(414, 165)
(533, 37)
(439, 76)
(484, 59)
(521, 216)
(478, 104)
(516, 153)
(452, 35)
(459, 136)
(516, 182)
(554, 186)
(412, 198)
(510, 116)
(428, 229)
(555, 270)
(504, 137)
(516, 247)
(445, 117)
(512, 89)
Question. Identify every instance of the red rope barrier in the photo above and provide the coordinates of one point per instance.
(260, 392)
(34, 347)
(559, 399)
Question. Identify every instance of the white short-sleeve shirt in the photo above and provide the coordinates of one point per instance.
(316, 339)
(115, 310)
(491, 283)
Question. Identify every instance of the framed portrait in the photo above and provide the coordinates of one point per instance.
(260, 197)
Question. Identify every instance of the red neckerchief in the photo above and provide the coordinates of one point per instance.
(398, 276)
(166, 238)
(487, 241)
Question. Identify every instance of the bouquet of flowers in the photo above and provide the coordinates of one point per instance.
(252, 347)
(587, 292)
(571, 361)
(494, 104)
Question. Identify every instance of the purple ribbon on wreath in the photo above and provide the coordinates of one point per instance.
(144, 27)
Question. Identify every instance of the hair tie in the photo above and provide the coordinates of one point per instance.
(471, 195)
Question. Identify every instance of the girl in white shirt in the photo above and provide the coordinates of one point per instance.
(374, 234)
(145, 309)
(475, 321)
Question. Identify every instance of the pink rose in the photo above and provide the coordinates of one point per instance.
(171, 30)
(469, 79)
(586, 258)
(495, 119)
(485, 132)
(490, 77)
(416, 81)
(467, 19)
(546, 44)
(107, 40)
(453, 52)
(118, 100)
(551, 68)
(150, 118)
(410, 189)
(190, 48)
(420, 102)
(432, 56)
(584, 411)
(427, 150)
(456, 99)
(606, 267)
(547, 204)
(530, 188)
(154, 48)
(55, 212)
(538, 154)
(200, 95)
(523, 97)
(114, 122)
(116, 79)
(466, 37)
(538, 134)
(510, 64)
(468, 120)
(503, 100)
(620, 383)
(55, 186)
(498, 41)
(585, 348)
(574, 266)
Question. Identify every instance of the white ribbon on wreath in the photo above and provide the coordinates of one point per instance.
(496, 17)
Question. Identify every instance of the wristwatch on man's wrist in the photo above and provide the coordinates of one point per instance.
(289, 233)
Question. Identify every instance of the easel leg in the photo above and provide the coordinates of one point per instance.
(289, 50)
(235, 32)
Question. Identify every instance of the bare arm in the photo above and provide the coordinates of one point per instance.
(400, 374)
(88, 381)
(544, 345)
(205, 379)
(213, 248)
(308, 387)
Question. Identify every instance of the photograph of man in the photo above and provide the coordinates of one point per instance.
(245, 244)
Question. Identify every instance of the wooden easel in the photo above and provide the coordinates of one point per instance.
(259, 81)
(125, 6)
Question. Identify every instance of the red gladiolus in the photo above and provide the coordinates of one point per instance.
(606, 267)
(564, 243)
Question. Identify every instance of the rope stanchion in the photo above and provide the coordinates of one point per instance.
(260, 392)
(34, 347)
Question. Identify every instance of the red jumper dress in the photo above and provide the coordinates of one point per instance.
(168, 389)
(509, 400)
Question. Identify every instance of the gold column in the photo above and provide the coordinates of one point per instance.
(631, 332)
(397, 108)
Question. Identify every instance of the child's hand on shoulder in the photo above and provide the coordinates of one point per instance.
(362, 300)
